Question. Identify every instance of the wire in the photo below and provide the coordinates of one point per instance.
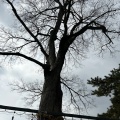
(6, 111)
(21, 113)
(2, 111)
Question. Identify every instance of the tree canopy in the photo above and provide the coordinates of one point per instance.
(109, 86)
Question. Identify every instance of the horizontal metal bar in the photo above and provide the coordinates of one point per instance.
(54, 114)
(18, 109)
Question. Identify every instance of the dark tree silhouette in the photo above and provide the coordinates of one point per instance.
(53, 29)
(109, 86)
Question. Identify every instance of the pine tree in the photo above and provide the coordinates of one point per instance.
(109, 86)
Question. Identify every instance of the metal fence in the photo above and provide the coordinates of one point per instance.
(64, 115)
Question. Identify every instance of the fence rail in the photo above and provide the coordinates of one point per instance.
(54, 114)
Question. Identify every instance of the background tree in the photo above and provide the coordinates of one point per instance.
(109, 86)
(50, 33)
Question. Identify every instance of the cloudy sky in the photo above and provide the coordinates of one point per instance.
(92, 66)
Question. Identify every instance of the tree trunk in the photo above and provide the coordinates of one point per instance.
(51, 99)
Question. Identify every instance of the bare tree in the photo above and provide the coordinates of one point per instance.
(55, 30)
(76, 94)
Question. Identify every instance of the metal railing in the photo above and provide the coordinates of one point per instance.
(66, 115)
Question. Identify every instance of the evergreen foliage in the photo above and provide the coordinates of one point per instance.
(109, 86)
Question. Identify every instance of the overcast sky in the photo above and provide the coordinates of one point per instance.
(92, 66)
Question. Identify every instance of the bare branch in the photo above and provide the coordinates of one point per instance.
(52, 55)
(33, 89)
(27, 29)
(76, 94)
(24, 56)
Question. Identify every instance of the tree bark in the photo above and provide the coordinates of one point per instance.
(51, 98)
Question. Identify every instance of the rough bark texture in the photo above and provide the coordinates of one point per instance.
(52, 95)
(51, 99)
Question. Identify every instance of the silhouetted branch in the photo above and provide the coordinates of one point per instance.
(24, 56)
(27, 29)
